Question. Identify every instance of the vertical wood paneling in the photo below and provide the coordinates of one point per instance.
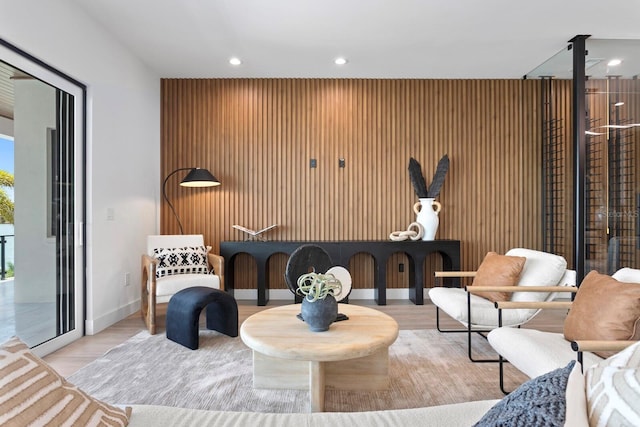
(258, 135)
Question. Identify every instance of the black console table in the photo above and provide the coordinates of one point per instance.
(341, 252)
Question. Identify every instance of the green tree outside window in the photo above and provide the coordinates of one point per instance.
(6, 204)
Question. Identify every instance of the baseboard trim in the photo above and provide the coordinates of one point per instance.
(93, 326)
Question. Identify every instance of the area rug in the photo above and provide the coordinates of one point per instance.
(426, 368)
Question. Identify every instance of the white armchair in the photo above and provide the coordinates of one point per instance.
(541, 273)
(173, 263)
(535, 352)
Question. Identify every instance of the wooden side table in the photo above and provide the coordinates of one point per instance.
(352, 355)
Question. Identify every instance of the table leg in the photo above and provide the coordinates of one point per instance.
(316, 386)
(263, 286)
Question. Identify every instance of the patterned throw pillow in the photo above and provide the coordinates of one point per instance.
(188, 259)
(33, 394)
(613, 389)
(540, 401)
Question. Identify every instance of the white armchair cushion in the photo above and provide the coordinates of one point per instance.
(628, 275)
(169, 285)
(540, 269)
(484, 315)
(535, 352)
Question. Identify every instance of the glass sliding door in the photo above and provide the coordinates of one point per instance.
(612, 145)
(43, 300)
(604, 201)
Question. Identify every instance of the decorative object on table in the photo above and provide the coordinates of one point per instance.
(427, 209)
(343, 275)
(319, 305)
(253, 234)
(195, 178)
(304, 259)
(414, 231)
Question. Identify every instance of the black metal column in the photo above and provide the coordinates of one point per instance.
(579, 145)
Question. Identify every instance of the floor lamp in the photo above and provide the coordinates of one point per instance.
(195, 178)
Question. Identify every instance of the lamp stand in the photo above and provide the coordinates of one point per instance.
(164, 193)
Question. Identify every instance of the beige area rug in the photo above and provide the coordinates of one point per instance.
(426, 368)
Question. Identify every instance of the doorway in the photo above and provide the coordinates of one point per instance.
(42, 297)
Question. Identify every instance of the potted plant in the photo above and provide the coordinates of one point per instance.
(319, 306)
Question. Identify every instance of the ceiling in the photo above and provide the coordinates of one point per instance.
(380, 38)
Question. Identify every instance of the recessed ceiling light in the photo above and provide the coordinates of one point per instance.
(235, 61)
(614, 62)
(340, 61)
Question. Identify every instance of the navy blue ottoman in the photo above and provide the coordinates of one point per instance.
(183, 314)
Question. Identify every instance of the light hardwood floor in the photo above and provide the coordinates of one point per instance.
(409, 316)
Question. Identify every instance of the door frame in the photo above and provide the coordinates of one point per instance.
(54, 77)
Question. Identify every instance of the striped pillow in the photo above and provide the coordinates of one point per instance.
(33, 394)
(613, 389)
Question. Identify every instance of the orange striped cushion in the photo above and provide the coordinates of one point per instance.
(32, 393)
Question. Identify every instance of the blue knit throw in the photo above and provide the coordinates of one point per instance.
(540, 402)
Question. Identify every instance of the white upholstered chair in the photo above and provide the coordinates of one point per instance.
(173, 263)
(541, 270)
(537, 352)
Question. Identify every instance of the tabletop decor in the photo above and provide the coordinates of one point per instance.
(427, 209)
(319, 305)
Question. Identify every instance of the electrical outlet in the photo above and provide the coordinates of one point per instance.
(341, 163)
(313, 163)
(127, 278)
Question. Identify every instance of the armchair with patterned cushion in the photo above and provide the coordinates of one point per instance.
(173, 263)
(521, 275)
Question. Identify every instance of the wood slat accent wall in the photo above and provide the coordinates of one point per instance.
(258, 135)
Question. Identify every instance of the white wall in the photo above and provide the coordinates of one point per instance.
(123, 143)
(34, 113)
(6, 126)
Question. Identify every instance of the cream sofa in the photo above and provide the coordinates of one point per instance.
(608, 393)
(31, 393)
(462, 415)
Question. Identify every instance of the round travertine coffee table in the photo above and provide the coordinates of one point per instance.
(352, 355)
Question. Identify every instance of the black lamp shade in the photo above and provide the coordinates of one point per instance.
(199, 178)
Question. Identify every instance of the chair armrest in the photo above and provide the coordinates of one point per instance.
(591, 346)
(513, 289)
(532, 304)
(526, 304)
(149, 265)
(217, 262)
(455, 274)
